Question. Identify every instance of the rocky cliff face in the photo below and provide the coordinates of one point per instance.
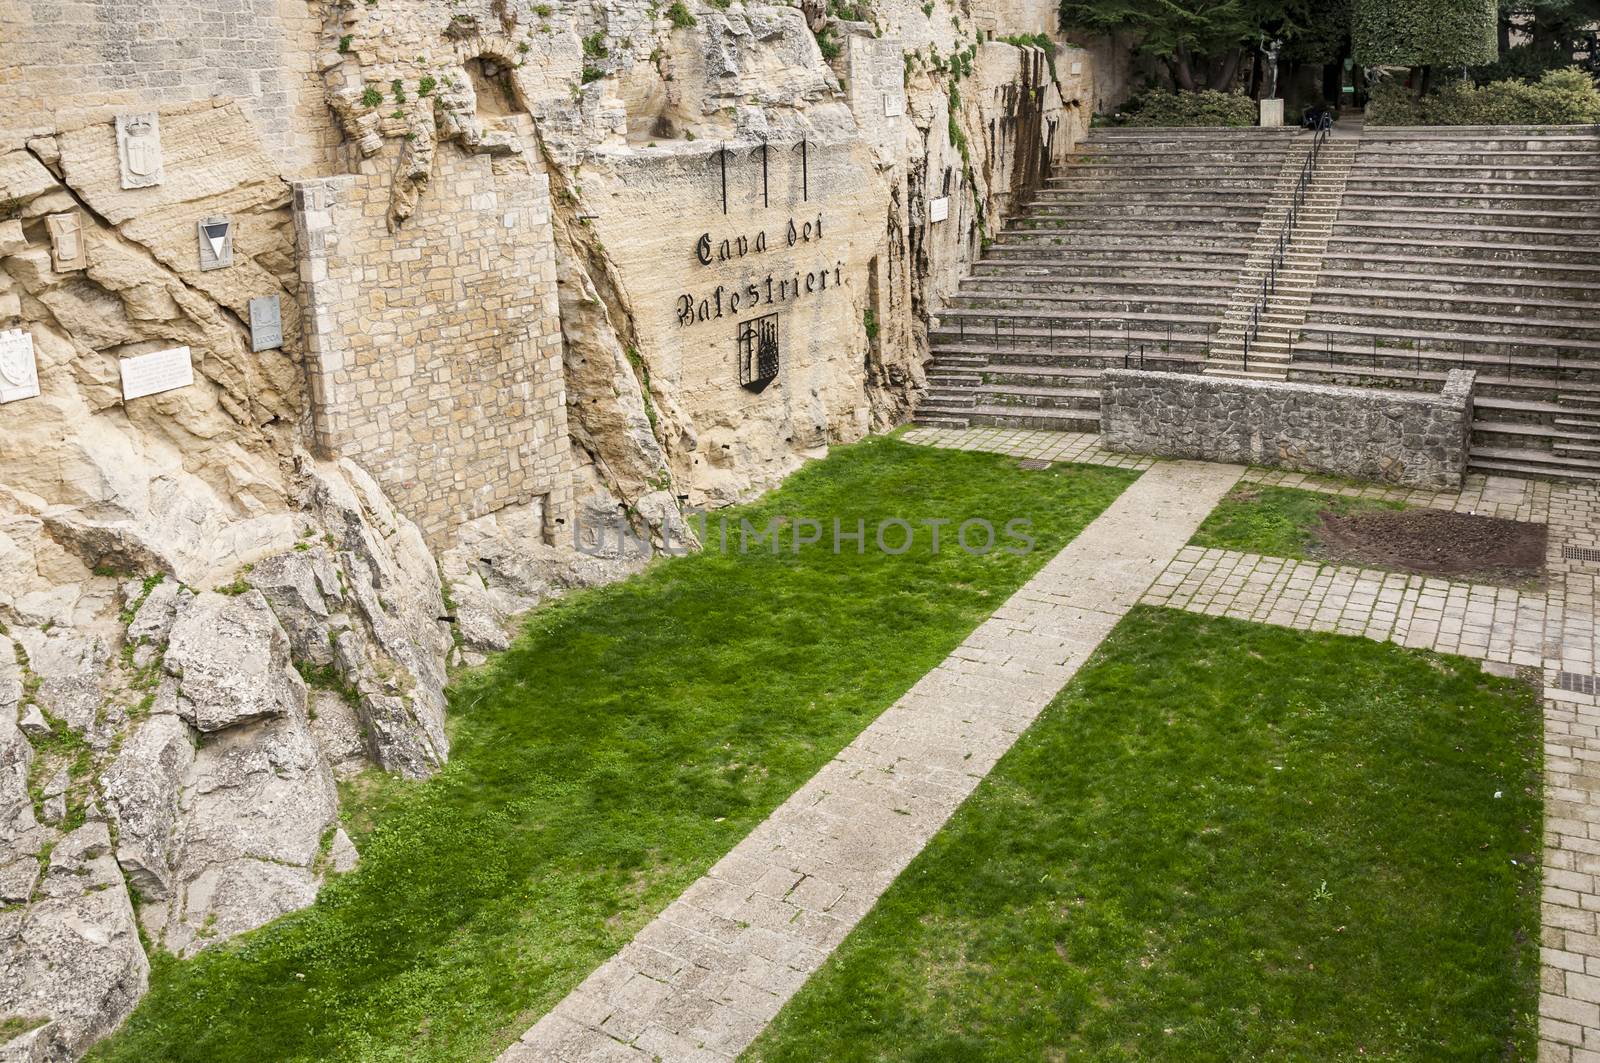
(204, 624)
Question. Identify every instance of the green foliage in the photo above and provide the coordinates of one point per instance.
(1424, 32)
(594, 46)
(828, 44)
(679, 15)
(850, 10)
(591, 73)
(344, 43)
(1561, 97)
(1275, 521)
(1158, 107)
(398, 90)
(869, 321)
(632, 736)
(1041, 41)
(1521, 62)
(426, 85)
(371, 97)
(1223, 841)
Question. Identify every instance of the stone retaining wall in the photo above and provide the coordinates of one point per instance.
(1411, 438)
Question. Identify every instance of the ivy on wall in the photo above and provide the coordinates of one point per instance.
(1424, 32)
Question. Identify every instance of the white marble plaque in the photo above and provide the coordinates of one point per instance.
(139, 149)
(266, 323)
(19, 375)
(894, 105)
(1077, 68)
(939, 209)
(68, 252)
(158, 371)
(216, 242)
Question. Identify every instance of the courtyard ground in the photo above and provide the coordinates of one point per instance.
(631, 737)
(1223, 841)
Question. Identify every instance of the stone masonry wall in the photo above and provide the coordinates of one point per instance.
(435, 349)
(70, 61)
(1415, 439)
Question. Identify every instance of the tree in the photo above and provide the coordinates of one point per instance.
(1203, 42)
(1425, 33)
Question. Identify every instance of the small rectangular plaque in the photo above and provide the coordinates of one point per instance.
(894, 105)
(67, 249)
(266, 323)
(939, 209)
(1077, 68)
(158, 371)
(216, 242)
(19, 375)
(139, 149)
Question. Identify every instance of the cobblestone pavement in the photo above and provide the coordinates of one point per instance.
(708, 974)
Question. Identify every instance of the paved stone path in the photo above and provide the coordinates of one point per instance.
(704, 978)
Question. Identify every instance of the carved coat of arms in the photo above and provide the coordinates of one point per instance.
(18, 376)
(139, 143)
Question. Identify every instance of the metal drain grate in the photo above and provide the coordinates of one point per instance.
(1577, 682)
(1036, 464)
(1580, 553)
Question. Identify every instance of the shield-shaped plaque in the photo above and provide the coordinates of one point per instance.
(19, 378)
(139, 145)
(67, 249)
(216, 243)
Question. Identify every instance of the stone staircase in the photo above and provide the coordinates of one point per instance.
(1132, 252)
(1267, 356)
(1475, 248)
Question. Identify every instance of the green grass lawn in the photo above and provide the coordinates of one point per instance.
(1223, 841)
(1277, 521)
(629, 739)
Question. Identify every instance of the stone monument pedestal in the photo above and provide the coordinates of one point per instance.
(1272, 113)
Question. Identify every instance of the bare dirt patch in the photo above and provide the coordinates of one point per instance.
(1431, 542)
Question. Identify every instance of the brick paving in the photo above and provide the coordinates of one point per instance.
(704, 978)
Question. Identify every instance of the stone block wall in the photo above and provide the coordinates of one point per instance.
(72, 61)
(1410, 438)
(434, 351)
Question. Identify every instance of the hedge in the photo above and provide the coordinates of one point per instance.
(1424, 32)
(1160, 108)
(1561, 97)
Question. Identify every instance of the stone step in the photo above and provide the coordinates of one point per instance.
(1429, 204)
(1416, 323)
(1484, 244)
(1468, 285)
(1412, 229)
(1018, 417)
(1531, 463)
(980, 285)
(1368, 210)
(1432, 305)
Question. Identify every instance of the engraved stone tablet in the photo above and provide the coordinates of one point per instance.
(216, 242)
(266, 323)
(894, 105)
(149, 374)
(939, 209)
(68, 252)
(139, 149)
(19, 376)
(1077, 68)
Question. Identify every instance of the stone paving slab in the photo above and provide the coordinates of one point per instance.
(703, 979)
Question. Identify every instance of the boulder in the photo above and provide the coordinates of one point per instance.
(302, 587)
(69, 665)
(141, 791)
(231, 659)
(257, 801)
(72, 955)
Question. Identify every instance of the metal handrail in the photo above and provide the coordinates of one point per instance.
(1269, 282)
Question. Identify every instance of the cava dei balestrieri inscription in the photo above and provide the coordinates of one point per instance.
(759, 292)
